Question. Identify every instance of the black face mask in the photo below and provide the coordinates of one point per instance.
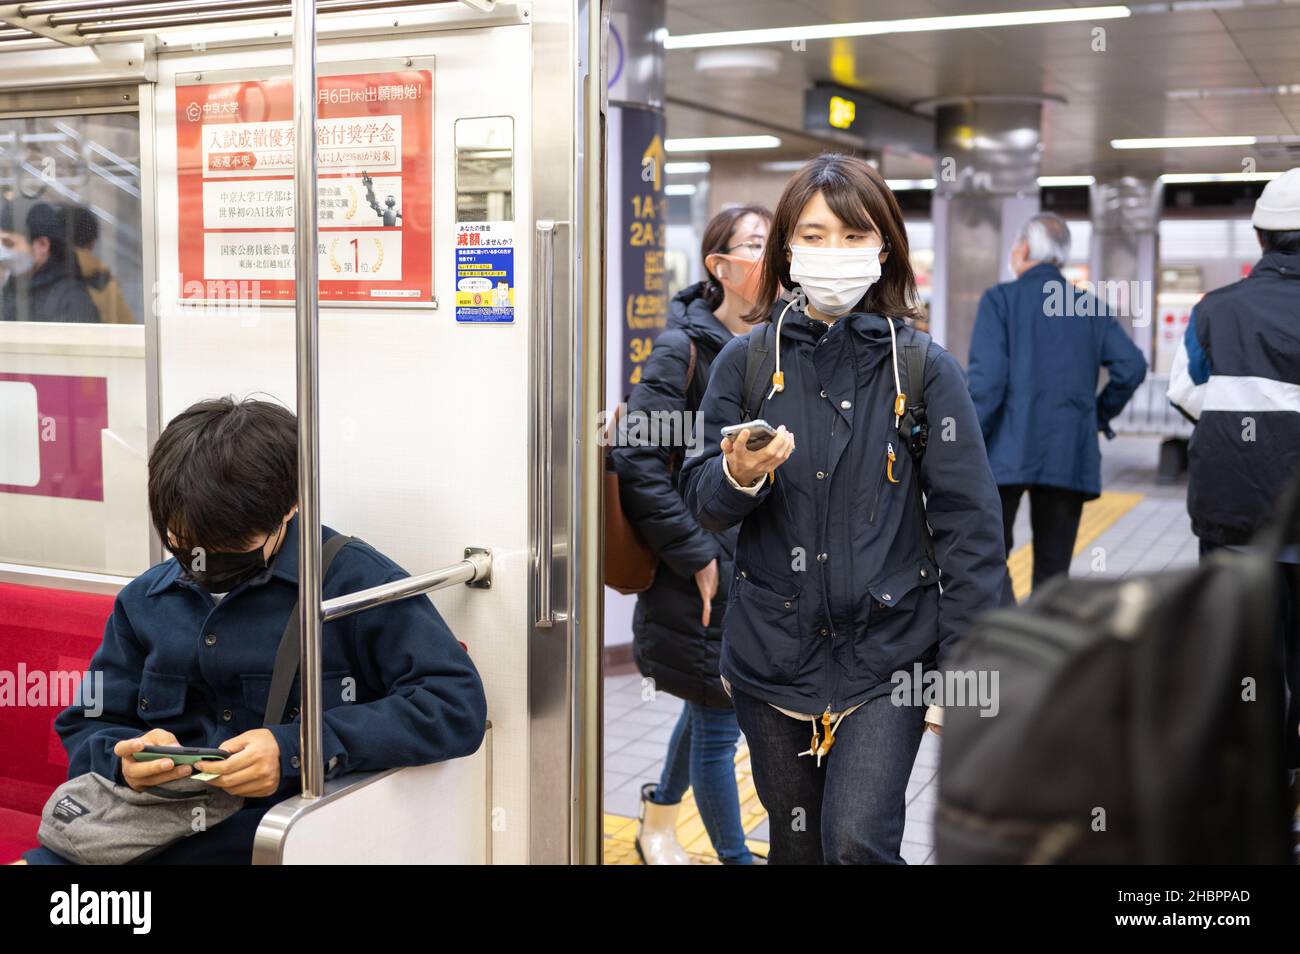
(222, 572)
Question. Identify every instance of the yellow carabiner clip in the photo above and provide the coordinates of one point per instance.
(889, 466)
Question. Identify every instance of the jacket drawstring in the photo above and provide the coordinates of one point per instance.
(828, 735)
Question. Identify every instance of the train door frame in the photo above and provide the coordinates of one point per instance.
(564, 666)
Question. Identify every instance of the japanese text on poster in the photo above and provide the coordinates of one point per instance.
(485, 272)
(374, 209)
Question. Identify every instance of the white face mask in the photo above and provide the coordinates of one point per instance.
(834, 279)
(14, 262)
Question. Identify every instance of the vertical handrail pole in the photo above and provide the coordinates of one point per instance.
(308, 326)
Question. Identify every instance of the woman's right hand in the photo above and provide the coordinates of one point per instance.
(746, 466)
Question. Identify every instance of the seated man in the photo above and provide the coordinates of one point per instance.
(189, 651)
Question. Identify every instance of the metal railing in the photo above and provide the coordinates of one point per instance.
(475, 570)
(1149, 411)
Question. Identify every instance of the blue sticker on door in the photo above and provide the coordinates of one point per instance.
(485, 272)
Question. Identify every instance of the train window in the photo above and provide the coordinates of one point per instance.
(73, 409)
(70, 239)
(485, 169)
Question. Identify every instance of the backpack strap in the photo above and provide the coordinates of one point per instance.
(760, 361)
(287, 655)
(914, 425)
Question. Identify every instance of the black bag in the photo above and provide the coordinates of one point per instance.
(1122, 735)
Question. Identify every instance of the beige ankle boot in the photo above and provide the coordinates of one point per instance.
(656, 836)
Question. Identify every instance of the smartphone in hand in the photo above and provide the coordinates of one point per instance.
(760, 433)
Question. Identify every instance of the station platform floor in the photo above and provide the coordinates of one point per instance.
(1136, 526)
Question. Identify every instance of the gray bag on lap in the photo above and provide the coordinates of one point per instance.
(91, 820)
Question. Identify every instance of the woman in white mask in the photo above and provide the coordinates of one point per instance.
(835, 610)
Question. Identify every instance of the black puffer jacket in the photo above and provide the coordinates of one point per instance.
(670, 644)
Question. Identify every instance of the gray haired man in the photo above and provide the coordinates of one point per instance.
(1035, 358)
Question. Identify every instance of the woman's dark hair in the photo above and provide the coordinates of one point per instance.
(223, 472)
(858, 195)
(1288, 242)
(717, 239)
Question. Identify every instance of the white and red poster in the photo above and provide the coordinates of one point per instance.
(374, 162)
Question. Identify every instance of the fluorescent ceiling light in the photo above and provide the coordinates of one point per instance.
(685, 168)
(712, 143)
(1049, 181)
(1231, 91)
(1186, 177)
(686, 188)
(783, 165)
(903, 184)
(829, 31)
(1183, 142)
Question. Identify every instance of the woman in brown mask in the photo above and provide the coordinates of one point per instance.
(678, 622)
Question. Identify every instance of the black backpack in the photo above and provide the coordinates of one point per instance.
(1123, 735)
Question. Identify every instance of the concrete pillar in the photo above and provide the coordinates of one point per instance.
(1124, 257)
(986, 186)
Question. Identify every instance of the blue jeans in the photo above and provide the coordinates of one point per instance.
(702, 756)
(851, 810)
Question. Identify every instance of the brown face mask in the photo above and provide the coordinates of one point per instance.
(747, 288)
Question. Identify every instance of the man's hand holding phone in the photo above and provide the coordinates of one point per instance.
(747, 466)
(142, 775)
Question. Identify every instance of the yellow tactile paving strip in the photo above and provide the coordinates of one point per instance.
(1098, 516)
(620, 832)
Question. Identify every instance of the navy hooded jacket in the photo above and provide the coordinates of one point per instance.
(833, 591)
(1035, 357)
(670, 644)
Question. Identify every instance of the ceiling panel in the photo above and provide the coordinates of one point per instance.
(1121, 92)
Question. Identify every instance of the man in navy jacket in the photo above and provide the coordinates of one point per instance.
(1035, 357)
(188, 653)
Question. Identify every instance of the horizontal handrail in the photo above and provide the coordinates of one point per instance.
(474, 570)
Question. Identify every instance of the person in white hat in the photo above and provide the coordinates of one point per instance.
(1237, 374)
(1278, 209)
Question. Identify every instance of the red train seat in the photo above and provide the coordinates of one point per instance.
(42, 631)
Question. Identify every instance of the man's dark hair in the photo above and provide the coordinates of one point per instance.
(1288, 243)
(223, 473)
(85, 226)
(51, 222)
